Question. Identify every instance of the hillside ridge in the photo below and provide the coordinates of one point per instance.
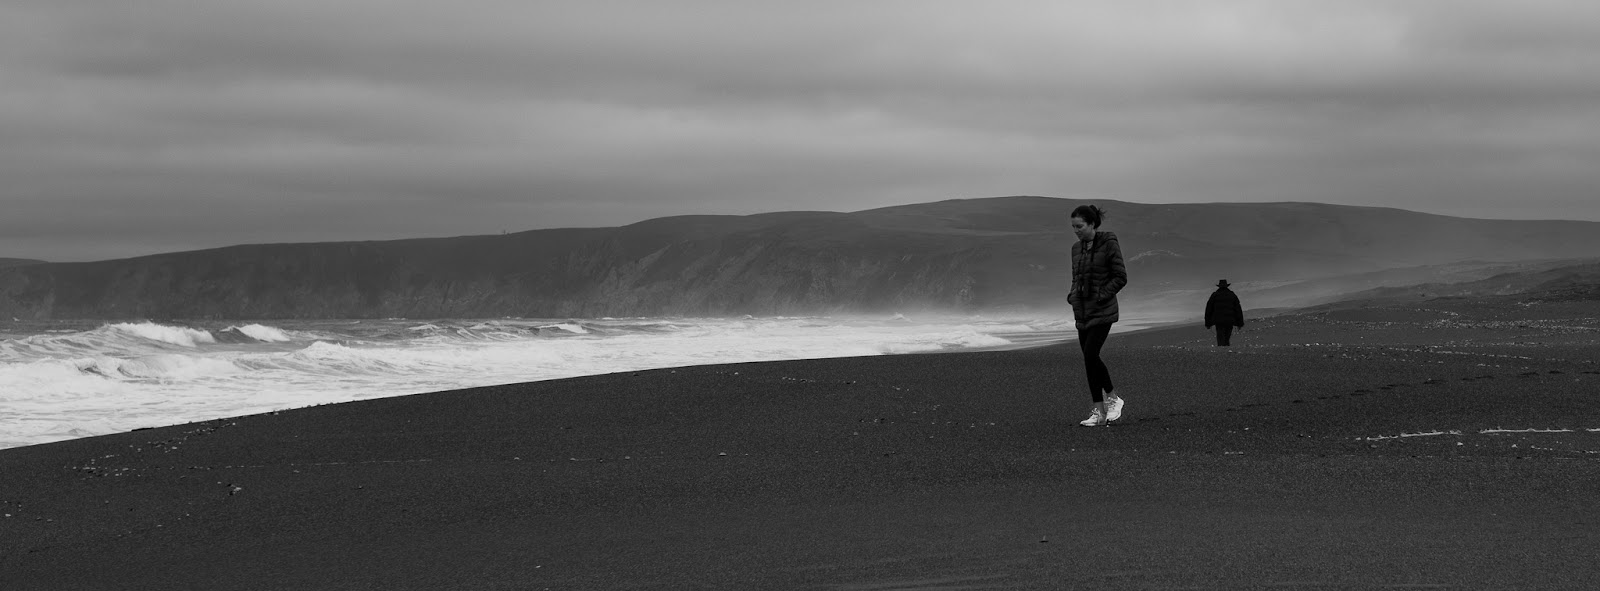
(967, 255)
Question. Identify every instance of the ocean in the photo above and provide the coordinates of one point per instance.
(67, 379)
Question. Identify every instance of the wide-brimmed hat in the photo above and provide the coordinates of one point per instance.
(1222, 283)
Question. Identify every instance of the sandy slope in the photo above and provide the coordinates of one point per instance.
(1446, 444)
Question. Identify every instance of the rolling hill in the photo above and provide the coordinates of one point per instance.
(17, 262)
(968, 255)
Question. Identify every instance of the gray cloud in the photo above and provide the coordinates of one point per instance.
(133, 128)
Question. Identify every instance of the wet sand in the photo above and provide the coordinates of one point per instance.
(1447, 444)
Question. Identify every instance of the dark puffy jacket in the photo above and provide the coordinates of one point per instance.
(1097, 276)
(1223, 309)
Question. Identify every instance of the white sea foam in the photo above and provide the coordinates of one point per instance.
(176, 335)
(119, 340)
(57, 384)
(569, 327)
(1406, 435)
(1494, 431)
(266, 334)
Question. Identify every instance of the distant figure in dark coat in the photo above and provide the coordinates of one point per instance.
(1223, 311)
(1097, 275)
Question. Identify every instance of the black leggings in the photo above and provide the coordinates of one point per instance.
(1091, 340)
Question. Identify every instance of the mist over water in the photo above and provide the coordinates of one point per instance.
(62, 380)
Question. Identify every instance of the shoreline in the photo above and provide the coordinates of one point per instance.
(130, 389)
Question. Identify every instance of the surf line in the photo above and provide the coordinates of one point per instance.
(1422, 434)
(1494, 431)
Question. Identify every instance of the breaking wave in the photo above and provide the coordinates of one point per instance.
(62, 382)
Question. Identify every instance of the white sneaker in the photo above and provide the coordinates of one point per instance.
(1113, 407)
(1096, 418)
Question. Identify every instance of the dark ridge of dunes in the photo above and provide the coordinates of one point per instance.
(1438, 444)
(5, 262)
(999, 254)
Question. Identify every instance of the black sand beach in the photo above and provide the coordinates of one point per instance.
(1439, 444)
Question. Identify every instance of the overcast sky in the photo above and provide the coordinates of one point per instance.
(131, 127)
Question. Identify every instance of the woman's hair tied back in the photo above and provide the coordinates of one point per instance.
(1090, 214)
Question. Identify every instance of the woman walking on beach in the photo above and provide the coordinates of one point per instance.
(1097, 276)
